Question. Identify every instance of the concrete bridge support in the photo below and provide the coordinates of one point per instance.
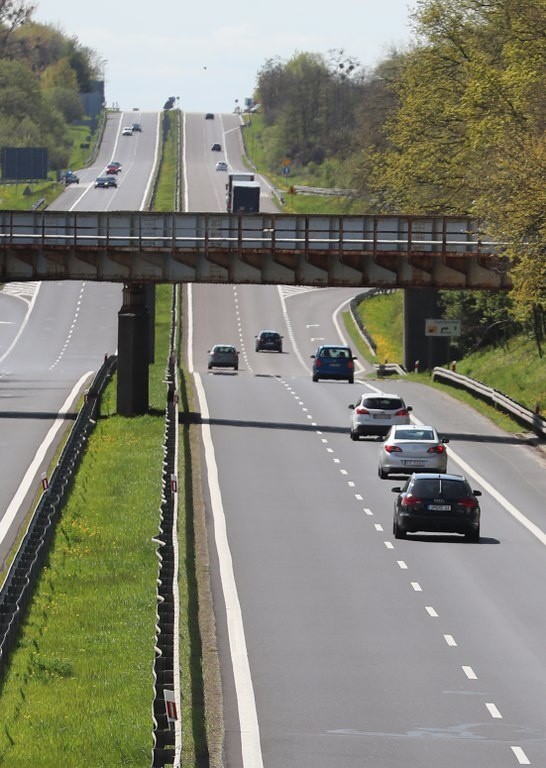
(421, 304)
(133, 352)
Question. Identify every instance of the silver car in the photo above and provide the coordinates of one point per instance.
(376, 412)
(223, 356)
(411, 448)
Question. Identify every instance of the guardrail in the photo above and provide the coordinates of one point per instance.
(522, 415)
(24, 571)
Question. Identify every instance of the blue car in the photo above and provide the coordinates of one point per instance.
(331, 361)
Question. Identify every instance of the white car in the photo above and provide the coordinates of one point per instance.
(412, 448)
(127, 131)
(376, 412)
(221, 165)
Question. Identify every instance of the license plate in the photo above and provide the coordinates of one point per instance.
(439, 507)
(381, 416)
(413, 463)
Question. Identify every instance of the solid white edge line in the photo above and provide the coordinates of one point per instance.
(24, 323)
(30, 475)
(510, 508)
(246, 702)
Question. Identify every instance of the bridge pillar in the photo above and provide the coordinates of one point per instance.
(421, 304)
(133, 352)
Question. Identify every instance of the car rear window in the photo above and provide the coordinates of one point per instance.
(336, 352)
(383, 403)
(414, 434)
(446, 489)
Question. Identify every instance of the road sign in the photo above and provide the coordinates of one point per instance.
(442, 327)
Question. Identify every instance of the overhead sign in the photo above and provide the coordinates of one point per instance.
(442, 327)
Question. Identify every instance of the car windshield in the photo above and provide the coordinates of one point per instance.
(414, 434)
(224, 349)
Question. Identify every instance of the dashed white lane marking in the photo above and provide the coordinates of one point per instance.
(378, 526)
(402, 565)
(521, 757)
(450, 640)
(416, 586)
(493, 711)
(469, 672)
(389, 545)
(431, 612)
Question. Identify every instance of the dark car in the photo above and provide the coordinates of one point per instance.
(331, 361)
(269, 340)
(106, 182)
(209, 116)
(441, 503)
(113, 168)
(137, 128)
(71, 178)
(216, 148)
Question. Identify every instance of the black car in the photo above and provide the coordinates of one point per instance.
(209, 116)
(70, 178)
(216, 148)
(441, 503)
(269, 340)
(106, 182)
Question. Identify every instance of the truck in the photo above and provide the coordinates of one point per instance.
(235, 176)
(244, 197)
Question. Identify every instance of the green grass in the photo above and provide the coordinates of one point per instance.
(78, 689)
(21, 196)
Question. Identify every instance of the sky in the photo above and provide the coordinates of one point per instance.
(208, 54)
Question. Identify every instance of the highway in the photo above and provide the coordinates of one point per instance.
(339, 645)
(54, 335)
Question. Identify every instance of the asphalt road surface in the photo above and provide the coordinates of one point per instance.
(341, 646)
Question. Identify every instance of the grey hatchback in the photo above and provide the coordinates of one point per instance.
(223, 356)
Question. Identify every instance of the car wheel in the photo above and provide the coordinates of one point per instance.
(235, 367)
(354, 435)
(473, 535)
(382, 473)
(315, 378)
(351, 379)
(210, 367)
(398, 532)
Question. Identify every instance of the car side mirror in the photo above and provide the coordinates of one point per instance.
(396, 489)
(313, 356)
(351, 407)
(409, 408)
(477, 493)
(445, 439)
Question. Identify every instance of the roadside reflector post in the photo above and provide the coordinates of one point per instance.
(45, 481)
(170, 706)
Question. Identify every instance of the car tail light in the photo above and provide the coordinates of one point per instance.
(402, 412)
(350, 365)
(361, 411)
(410, 500)
(467, 503)
(318, 362)
(437, 449)
(393, 449)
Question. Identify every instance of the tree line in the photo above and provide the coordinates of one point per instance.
(42, 73)
(454, 124)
